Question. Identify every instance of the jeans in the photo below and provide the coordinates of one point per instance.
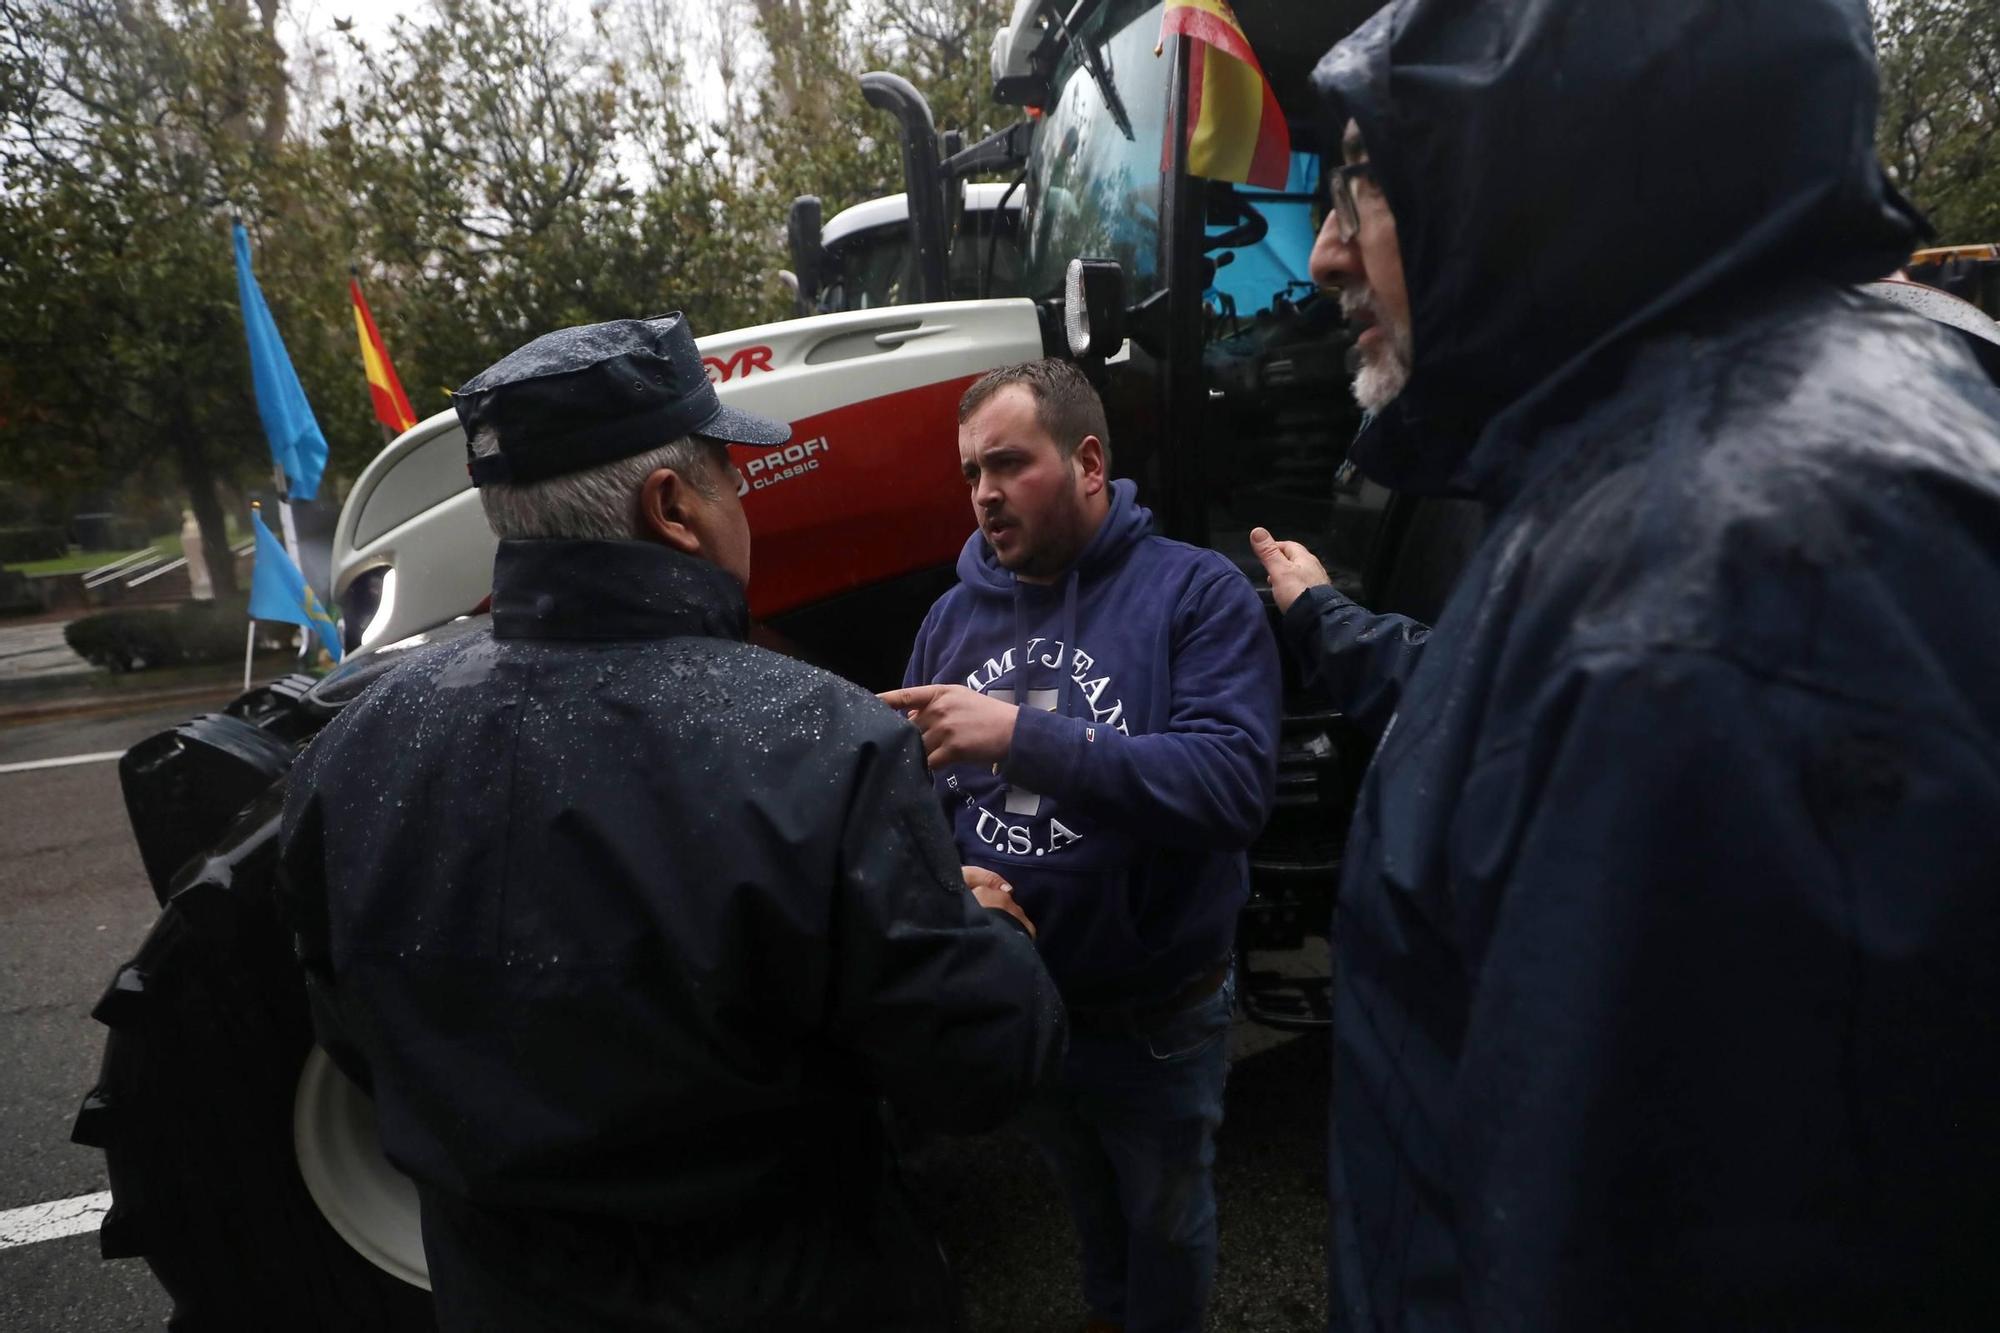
(1130, 1136)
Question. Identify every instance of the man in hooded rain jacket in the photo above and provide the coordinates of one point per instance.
(1668, 940)
(633, 924)
(1100, 707)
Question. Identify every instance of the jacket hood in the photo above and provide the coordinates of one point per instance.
(1565, 174)
(1126, 523)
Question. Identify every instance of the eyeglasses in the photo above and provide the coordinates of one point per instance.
(1346, 212)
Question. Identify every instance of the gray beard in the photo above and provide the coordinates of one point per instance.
(1382, 377)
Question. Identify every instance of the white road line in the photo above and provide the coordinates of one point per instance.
(63, 762)
(53, 1221)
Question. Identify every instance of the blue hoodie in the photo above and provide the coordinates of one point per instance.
(1143, 764)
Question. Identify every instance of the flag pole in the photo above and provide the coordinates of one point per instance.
(285, 515)
(291, 534)
(250, 632)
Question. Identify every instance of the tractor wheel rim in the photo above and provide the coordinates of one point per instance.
(371, 1204)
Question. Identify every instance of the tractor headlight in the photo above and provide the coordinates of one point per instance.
(366, 606)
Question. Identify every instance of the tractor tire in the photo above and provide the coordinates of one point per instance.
(209, 1031)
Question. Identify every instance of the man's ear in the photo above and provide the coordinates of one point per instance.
(1089, 459)
(665, 501)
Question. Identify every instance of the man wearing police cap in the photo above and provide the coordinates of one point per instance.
(632, 924)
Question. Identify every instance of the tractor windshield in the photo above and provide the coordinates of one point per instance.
(1091, 190)
(867, 270)
(867, 261)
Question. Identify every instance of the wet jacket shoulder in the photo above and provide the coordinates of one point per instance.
(634, 921)
(1772, 485)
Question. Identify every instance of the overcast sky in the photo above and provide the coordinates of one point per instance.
(305, 24)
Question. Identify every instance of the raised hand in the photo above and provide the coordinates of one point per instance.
(1291, 567)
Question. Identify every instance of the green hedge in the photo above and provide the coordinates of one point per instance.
(16, 595)
(19, 545)
(161, 636)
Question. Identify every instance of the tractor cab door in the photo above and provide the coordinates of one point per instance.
(1261, 408)
(1230, 407)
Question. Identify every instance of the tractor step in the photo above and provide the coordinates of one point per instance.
(1298, 1004)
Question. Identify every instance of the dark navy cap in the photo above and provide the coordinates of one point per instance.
(579, 397)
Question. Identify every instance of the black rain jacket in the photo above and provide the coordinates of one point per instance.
(633, 925)
(1669, 933)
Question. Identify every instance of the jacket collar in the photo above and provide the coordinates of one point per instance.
(563, 589)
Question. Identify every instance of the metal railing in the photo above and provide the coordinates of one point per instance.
(173, 565)
(120, 567)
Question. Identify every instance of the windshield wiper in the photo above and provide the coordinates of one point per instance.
(1093, 62)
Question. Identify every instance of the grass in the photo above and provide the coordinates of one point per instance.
(77, 562)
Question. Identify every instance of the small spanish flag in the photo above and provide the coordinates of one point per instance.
(392, 407)
(1235, 130)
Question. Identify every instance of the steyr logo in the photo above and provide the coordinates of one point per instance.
(740, 363)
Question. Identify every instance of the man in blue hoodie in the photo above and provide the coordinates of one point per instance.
(1100, 711)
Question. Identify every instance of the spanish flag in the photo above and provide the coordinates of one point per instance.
(1235, 130)
(392, 408)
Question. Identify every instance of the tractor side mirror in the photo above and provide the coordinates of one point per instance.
(802, 231)
(1094, 308)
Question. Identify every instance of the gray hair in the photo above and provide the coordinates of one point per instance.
(599, 503)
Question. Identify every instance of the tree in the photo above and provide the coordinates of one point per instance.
(130, 132)
(1939, 130)
(813, 133)
(495, 170)
(511, 176)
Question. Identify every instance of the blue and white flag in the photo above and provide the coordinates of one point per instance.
(297, 446)
(279, 592)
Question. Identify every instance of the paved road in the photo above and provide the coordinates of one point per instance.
(38, 649)
(74, 904)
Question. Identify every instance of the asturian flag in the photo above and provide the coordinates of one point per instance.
(279, 592)
(392, 408)
(1235, 129)
(297, 447)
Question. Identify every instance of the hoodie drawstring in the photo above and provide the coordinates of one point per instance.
(1063, 660)
(1063, 672)
(1021, 653)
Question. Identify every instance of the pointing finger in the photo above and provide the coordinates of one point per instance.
(915, 696)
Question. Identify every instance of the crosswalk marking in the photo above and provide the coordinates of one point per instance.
(53, 1221)
(30, 765)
